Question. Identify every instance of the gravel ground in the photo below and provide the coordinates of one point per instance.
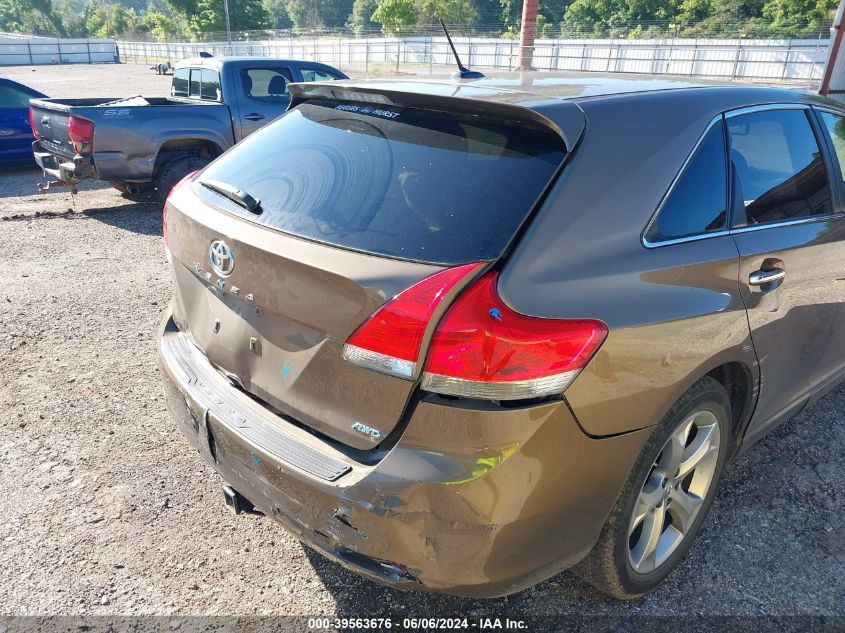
(107, 510)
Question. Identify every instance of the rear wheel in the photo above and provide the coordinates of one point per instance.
(666, 498)
(174, 170)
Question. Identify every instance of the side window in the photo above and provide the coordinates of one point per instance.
(196, 82)
(777, 169)
(835, 126)
(210, 85)
(179, 87)
(313, 74)
(267, 84)
(11, 97)
(699, 200)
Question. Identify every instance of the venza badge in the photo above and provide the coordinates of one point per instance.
(221, 257)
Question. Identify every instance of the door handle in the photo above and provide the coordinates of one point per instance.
(254, 116)
(760, 277)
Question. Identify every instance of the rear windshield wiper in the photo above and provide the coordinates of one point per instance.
(238, 196)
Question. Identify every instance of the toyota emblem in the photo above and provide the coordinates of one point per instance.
(221, 257)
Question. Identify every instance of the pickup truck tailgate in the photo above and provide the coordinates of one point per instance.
(50, 123)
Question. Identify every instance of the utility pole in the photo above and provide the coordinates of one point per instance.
(526, 34)
(228, 24)
(832, 83)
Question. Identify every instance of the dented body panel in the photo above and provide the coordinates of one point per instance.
(471, 504)
(456, 493)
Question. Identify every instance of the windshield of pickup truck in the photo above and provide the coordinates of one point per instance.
(400, 182)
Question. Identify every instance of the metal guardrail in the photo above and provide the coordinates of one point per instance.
(789, 61)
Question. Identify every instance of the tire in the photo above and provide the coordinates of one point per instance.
(174, 170)
(620, 564)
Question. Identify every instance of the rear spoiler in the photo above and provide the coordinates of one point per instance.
(564, 117)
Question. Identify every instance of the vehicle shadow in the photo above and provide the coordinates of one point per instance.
(143, 218)
(22, 180)
(357, 597)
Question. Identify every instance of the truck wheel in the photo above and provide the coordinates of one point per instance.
(175, 170)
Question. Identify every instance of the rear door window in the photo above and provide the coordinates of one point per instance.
(210, 85)
(196, 83)
(267, 84)
(181, 82)
(698, 202)
(314, 74)
(400, 182)
(835, 126)
(777, 168)
(13, 97)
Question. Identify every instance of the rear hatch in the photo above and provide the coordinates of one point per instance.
(347, 204)
(51, 122)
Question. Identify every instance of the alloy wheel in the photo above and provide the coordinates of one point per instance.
(674, 491)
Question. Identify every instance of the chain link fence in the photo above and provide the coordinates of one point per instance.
(794, 61)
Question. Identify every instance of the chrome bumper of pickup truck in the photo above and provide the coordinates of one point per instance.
(61, 168)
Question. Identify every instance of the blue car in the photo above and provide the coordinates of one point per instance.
(15, 132)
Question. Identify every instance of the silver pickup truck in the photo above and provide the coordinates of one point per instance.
(140, 144)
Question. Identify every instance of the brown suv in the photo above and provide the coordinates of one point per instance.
(459, 336)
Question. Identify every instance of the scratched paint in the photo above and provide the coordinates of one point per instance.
(286, 369)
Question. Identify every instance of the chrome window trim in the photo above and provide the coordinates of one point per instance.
(742, 229)
(684, 240)
(774, 225)
(729, 114)
(830, 109)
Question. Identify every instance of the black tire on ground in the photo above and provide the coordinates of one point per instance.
(608, 566)
(174, 170)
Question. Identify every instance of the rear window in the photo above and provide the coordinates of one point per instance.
(400, 182)
(179, 86)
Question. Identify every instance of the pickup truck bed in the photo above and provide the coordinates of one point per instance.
(151, 143)
(123, 134)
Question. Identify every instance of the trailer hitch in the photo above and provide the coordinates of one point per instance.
(45, 186)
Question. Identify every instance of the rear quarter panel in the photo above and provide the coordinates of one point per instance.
(127, 140)
(674, 312)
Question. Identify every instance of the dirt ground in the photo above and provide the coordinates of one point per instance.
(107, 510)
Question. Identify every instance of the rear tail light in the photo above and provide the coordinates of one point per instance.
(390, 340)
(32, 124)
(81, 133)
(483, 349)
(173, 189)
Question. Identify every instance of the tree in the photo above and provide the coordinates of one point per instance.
(511, 15)
(31, 16)
(305, 14)
(45, 8)
(207, 15)
(450, 11)
(799, 15)
(335, 13)
(278, 12)
(109, 20)
(395, 16)
(361, 18)
(161, 26)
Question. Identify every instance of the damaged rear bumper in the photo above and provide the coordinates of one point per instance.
(66, 170)
(472, 500)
